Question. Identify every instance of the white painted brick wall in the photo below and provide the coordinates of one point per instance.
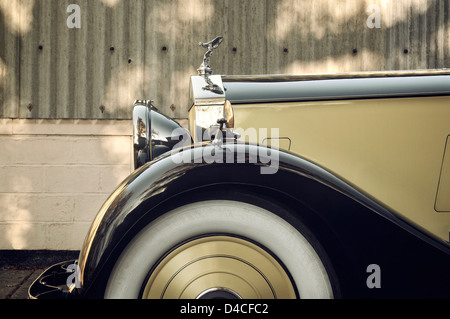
(54, 177)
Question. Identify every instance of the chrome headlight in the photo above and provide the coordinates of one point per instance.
(153, 132)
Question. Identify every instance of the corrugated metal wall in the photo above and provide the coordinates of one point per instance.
(135, 49)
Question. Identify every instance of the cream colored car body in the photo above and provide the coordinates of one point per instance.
(396, 150)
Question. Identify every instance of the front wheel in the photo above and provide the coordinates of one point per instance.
(219, 249)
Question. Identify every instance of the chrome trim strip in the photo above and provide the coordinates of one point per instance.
(331, 76)
(285, 89)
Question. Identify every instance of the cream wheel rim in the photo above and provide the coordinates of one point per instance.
(219, 267)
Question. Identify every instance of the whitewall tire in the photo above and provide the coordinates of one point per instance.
(255, 229)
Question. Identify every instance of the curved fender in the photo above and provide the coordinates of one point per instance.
(348, 216)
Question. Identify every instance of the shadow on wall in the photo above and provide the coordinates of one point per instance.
(15, 215)
(147, 49)
(53, 185)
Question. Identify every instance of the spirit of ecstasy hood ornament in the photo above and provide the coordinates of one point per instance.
(204, 68)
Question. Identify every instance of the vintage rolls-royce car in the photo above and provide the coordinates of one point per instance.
(285, 186)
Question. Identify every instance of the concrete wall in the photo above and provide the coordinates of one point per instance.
(147, 49)
(55, 175)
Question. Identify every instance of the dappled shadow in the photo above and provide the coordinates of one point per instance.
(128, 50)
(17, 15)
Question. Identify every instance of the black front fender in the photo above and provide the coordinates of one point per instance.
(345, 219)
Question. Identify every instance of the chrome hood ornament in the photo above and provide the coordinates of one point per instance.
(204, 68)
(210, 112)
